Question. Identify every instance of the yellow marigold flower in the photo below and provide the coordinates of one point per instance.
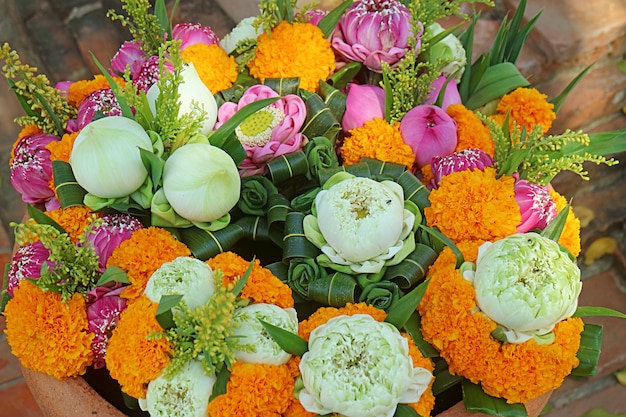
(62, 149)
(262, 286)
(323, 314)
(255, 390)
(570, 236)
(527, 107)
(471, 132)
(79, 90)
(447, 259)
(46, 334)
(474, 205)
(136, 354)
(73, 220)
(29, 130)
(294, 50)
(217, 70)
(142, 254)
(377, 139)
(517, 372)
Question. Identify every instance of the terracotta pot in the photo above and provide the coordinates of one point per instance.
(76, 398)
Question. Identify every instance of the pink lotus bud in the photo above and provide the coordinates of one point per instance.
(63, 87)
(450, 96)
(31, 168)
(104, 307)
(313, 16)
(364, 102)
(193, 33)
(148, 73)
(430, 132)
(372, 31)
(268, 133)
(26, 263)
(114, 229)
(536, 206)
(130, 53)
(102, 101)
(458, 161)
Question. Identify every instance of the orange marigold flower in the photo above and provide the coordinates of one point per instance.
(142, 254)
(46, 334)
(447, 259)
(29, 130)
(377, 139)
(217, 70)
(294, 50)
(262, 286)
(424, 406)
(79, 90)
(73, 220)
(323, 314)
(474, 205)
(255, 390)
(427, 174)
(570, 236)
(528, 107)
(471, 132)
(62, 149)
(136, 354)
(517, 372)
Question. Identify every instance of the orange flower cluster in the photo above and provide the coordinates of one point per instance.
(46, 334)
(217, 70)
(255, 390)
(377, 139)
(527, 107)
(142, 254)
(474, 205)
(134, 357)
(294, 50)
(79, 90)
(73, 220)
(262, 286)
(570, 237)
(471, 132)
(516, 372)
(62, 149)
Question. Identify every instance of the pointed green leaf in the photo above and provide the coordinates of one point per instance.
(160, 12)
(413, 327)
(560, 99)
(589, 311)
(164, 314)
(117, 91)
(219, 136)
(440, 237)
(328, 23)
(339, 79)
(403, 410)
(476, 400)
(113, 273)
(289, 342)
(601, 144)
(41, 218)
(244, 278)
(23, 101)
(589, 351)
(496, 81)
(219, 388)
(51, 114)
(400, 312)
(554, 229)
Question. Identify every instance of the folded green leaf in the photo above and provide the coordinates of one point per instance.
(289, 342)
(496, 81)
(206, 244)
(328, 23)
(334, 290)
(295, 243)
(68, 191)
(589, 350)
(283, 86)
(41, 218)
(476, 400)
(403, 410)
(164, 314)
(589, 311)
(288, 166)
(412, 269)
(440, 237)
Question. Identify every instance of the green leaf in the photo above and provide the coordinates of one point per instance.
(412, 269)
(154, 165)
(42, 218)
(283, 86)
(601, 144)
(588, 311)
(289, 342)
(69, 192)
(219, 388)
(413, 327)
(599, 412)
(288, 166)
(205, 244)
(113, 273)
(23, 101)
(554, 229)
(589, 351)
(4, 294)
(335, 290)
(164, 314)
(244, 278)
(403, 410)
(160, 12)
(444, 380)
(51, 114)
(219, 136)
(496, 81)
(560, 99)
(339, 79)
(440, 237)
(328, 23)
(320, 119)
(400, 312)
(476, 400)
(295, 243)
(117, 91)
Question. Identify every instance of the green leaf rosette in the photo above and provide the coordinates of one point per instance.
(255, 195)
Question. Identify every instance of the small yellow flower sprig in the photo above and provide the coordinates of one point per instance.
(429, 11)
(539, 158)
(48, 110)
(142, 25)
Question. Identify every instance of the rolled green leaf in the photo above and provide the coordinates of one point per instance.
(413, 328)
(384, 170)
(288, 166)
(399, 313)
(283, 86)
(414, 190)
(304, 201)
(358, 170)
(255, 195)
(278, 207)
(295, 243)
(205, 244)
(476, 400)
(289, 342)
(382, 294)
(254, 228)
(335, 99)
(301, 272)
(412, 270)
(340, 78)
(320, 153)
(68, 191)
(320, 120)
(334, 290)
(589, 350)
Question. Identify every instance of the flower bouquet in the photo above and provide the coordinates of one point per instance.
(323, 213)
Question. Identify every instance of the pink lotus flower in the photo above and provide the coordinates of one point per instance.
(130, 53)
(148, 73)
(536, 206)
(430, 132)
(114, 229)
(26, 263)
(104, 306)
(102, 101)
(450, 96)
(363, 103)
(191, 34)
(372, 31)
(270, 132)
(31, 168)
(458, 161)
